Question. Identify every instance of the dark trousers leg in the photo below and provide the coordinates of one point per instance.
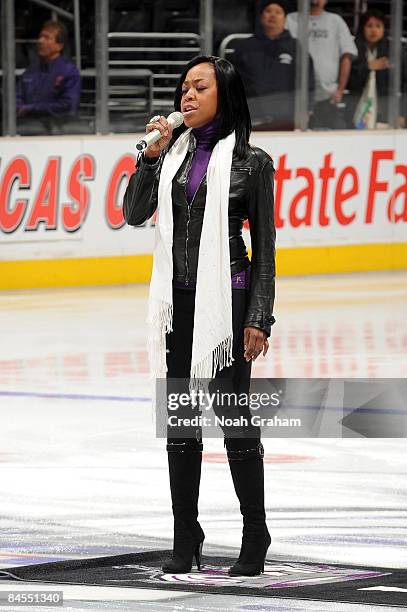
(179, 354)
(179, 341)
(233, 379)
(245, 457)
(184, 452)
(245, 451)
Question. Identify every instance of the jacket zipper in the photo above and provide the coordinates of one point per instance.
(186, 247)
(187, 232)
(238, 169)
(243, 169)
(186, 173)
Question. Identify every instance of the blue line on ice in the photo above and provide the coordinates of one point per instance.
(74, 396)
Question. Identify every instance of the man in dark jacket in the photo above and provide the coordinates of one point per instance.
(48, 91)
(267, 63)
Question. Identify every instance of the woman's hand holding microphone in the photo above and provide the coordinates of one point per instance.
(158, 123)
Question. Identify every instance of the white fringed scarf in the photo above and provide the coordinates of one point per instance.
(213, 332)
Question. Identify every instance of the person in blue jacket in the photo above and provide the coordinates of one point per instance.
(267, 63)
(48, 92)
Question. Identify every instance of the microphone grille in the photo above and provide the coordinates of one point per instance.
(176, 118)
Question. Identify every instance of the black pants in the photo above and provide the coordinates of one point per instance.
(235, 378)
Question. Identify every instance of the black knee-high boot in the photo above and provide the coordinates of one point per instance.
(246, 467)
(184, 463)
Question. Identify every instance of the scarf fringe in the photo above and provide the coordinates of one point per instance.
(163, 313)
(219, 358)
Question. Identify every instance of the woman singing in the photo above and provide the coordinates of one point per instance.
(210, 306)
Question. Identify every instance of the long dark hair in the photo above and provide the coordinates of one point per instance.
(232, 102)
(365, 18)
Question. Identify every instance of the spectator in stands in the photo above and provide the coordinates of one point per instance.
(48, 92)
(369, 81)
(267, 63)
(332, 48)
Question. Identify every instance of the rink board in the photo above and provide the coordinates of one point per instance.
(340, 206)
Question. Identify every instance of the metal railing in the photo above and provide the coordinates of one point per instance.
(155, 58)
(224, 49)
(164, 58)
(162, 77)
(128, 96)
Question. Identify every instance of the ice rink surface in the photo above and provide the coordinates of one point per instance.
(83, 475)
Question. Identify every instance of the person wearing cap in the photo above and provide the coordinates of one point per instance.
(267, 63)
(332, 48)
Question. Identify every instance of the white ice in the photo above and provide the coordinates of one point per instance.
(82, 473)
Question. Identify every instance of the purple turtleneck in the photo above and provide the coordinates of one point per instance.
(204, 138)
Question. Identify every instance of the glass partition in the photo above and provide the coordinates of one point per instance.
(43, 50)
(310, 66)
(305, 65)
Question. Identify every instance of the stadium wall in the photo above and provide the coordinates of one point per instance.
(340, 206)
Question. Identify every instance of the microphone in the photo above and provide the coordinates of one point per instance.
(176, 119)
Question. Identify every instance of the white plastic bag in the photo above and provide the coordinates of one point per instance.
(365, 116)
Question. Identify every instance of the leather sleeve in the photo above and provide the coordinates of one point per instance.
(263, 236)
(141, 197)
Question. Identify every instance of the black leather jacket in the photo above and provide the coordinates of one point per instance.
(250, 197)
